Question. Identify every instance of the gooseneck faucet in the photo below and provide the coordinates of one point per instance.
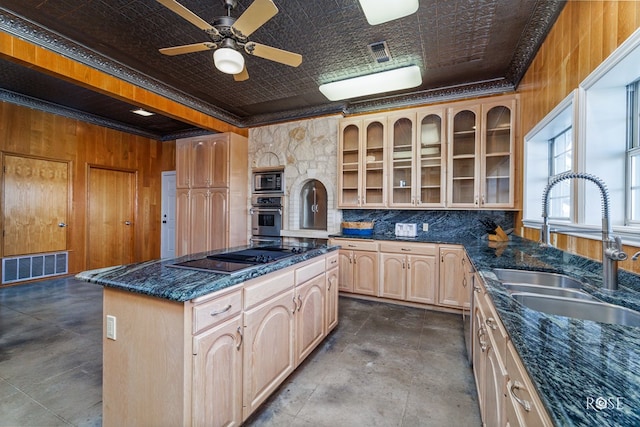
(611, 245)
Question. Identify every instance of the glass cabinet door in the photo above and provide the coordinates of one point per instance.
(496, 170)
(463, 159)
(401, 162)
(349, 163)
(430, 155)
(374, 164)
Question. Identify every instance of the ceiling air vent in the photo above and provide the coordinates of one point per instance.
(380, 51)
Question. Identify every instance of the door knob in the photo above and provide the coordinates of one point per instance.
(62, 224)
(127, 223)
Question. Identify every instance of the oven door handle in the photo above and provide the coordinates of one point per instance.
(260, 210)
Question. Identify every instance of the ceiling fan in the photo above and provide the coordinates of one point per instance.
(228, 35)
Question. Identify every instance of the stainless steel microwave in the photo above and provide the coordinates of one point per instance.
(268, 182)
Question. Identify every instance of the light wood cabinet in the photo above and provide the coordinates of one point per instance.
(332, 277)
(454, 277)
(481, 169)
(310, 315)
(361, 163)
(408, 272)
(212, 181)
(358, 262)
(217, 375)
(417, 161)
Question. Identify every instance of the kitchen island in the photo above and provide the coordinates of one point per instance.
(191, 347)
(586, 373)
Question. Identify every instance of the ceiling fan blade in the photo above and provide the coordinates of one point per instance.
(273, 54)
(259, 12)
(242, 75)
(187, 48)
(179, 9)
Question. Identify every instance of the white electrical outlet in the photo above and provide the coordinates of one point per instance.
(425, 226)
(111, 327)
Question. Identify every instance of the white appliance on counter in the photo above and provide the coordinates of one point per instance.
(406, 230)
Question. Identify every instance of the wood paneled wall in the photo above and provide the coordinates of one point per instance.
(585, 33)
(36, 133)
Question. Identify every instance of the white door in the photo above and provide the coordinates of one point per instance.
(168, 229)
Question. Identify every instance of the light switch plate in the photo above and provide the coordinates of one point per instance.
(111, 327)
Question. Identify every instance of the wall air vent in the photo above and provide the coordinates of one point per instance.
(380, 51)
(28, 267)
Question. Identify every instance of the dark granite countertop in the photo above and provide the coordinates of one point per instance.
(586, 373)
(156, 278)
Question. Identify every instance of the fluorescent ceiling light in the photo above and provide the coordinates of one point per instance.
(379, 11)
(228, 60)
(142, 112)
(386, 81)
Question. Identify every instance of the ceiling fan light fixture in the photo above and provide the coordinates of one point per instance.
(228, 60)
(370, 84)
(379, 11)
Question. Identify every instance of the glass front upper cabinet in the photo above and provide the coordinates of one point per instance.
(349, 165)
(497, 168)
(464, 153)
(402, 180)
(374, 163)
(430, 159)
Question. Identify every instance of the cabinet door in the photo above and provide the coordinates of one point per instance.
(183, 221)
(183, 164)
(401, 142)
(373, 162)
(331, 317)
(201, 163)
(217, 375)
(218, 219)
(430, 158)
(463, 156)
(199, 220)
(479, 348)
(310, 316)
(393, 275)
(365, 272)
(421, 279)
(345, 266)
(269, 349)
(219, 148)
(496, 189)
(451, 276)
(349, 164)
(493, 409)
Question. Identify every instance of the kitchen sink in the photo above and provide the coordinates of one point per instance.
(547, 290)
(596, 311)
(540, 278)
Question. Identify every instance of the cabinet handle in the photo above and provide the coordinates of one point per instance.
(476, 200)
(491, 322)
(355, 259)
(334, 261)
(295, 305)
(403, 265)
(476, 288)
(405, 249)
(483, 199)
(224, 310)
(408, 266)
(329, 284)
(483, 344)
(464, 282)
(300, 301)
(352, 246)
(241, 338)
(524, 403)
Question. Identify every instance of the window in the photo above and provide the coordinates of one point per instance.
(560, 160)
(633, 154)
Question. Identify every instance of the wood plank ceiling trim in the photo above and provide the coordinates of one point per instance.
(36, 57)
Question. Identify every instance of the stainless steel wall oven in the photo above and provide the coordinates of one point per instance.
(266, 218)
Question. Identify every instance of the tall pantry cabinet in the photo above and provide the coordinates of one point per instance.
(211, 196)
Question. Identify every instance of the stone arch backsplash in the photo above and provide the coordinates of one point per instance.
(307, 149)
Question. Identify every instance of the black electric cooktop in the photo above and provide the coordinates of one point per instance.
(237, 261)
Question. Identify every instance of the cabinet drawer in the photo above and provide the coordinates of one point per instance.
(494, 325)
(357, 245)
(212, 312)
(520, 393)
(260, 289)
(309, 271)
(331, 260)
(409, 248)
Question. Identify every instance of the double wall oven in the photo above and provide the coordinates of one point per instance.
(266, 207)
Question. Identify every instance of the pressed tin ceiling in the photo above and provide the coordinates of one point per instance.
(463, 48)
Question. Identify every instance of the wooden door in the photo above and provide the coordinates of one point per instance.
(183, 219)
(451, 276)
(220, 163)
(218, 219)
(393, 276)
(200, 220)
(217, 376)
(310, 323)
(421, 279)
(35, 205)
(269, 349)
(345, 263)
(168, 222)
(365, 272)
(110, 212)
